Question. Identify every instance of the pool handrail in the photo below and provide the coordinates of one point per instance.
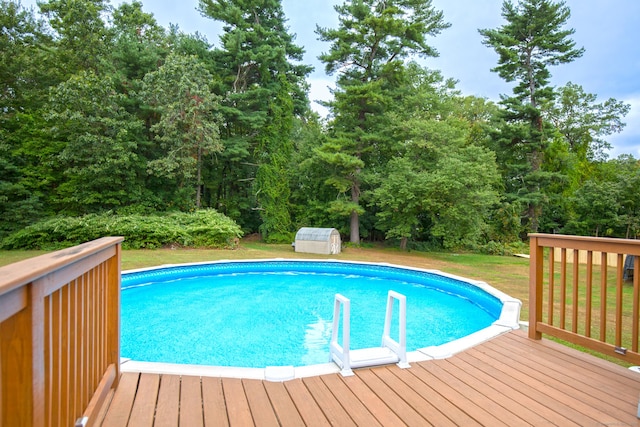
(390, 351)
(340, 353)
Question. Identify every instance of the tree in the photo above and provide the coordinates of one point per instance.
(628, 171)
(368, 50)
(25, 77)
(272, 182)
(98, 139)
(583, 123)
(83, 39)
(259, 67)
(441, 183)
(596, 205)
(139, 46)
(187, 127)
(532, 40)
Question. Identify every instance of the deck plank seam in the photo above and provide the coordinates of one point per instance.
(374, 382)
(491, 408)
(579, 408)
(413, 399)
(583, 382)
(561, 382)
(509, 391)
(498, 397)
(450, 410)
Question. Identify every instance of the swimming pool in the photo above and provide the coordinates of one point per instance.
(278, 312)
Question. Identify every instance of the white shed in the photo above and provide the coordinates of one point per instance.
(318, 241)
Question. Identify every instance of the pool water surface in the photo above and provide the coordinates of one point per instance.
(277, 313)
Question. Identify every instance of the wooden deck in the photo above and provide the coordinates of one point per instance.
(509, 381)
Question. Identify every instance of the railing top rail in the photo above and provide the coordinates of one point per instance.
(20, 273)
(602, 244)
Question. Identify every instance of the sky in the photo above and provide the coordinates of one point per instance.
(609, 30)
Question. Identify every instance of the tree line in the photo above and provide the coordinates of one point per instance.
(104, 110)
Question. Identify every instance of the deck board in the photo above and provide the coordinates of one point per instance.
(565, 381)
(510, 380)
(460, 397)
(168, 406)
(238, 409)
(144, 406)
(501, 386)
(309, 410)
(566, 393)
(122, 402)
(408, 415)
(259, 403)
(413, 399)
(372, 402)
(357, 411)
(215, 411)
(540, 390)
(191, 413)
(335, 413)
(283, 405)
(494, 400)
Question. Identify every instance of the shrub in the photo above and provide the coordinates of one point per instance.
(203, 229)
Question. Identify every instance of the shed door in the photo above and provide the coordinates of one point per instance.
(335, 244)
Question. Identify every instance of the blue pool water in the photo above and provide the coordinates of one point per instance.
(275, 313)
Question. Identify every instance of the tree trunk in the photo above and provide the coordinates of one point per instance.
(403, 244)
(355, 218)
(199, 179)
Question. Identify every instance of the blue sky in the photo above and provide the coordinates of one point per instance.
(609, 30)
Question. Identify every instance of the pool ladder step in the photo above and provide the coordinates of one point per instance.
(390, 351)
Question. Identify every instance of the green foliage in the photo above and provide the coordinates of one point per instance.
(608, 203)
(202, 229)
(368, 49)
(102, 109)
(272, 182)
(82, 33)
(187, 129)
(583, 123)
(100, 141)
(532, 40)
(442, 186)
(262, 85)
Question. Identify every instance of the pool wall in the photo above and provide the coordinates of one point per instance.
(505, 308)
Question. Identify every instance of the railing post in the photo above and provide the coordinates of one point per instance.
(113, 312)
(38, 349)
(536, 275)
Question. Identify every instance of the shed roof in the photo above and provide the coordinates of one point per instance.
(315, 234)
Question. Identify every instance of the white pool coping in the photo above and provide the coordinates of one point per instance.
(509, 320)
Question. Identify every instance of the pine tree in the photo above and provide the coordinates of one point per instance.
(368, 50)
(532, 40)
(257, 62)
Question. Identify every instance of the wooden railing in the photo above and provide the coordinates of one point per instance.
(59, 331)
(589, 304)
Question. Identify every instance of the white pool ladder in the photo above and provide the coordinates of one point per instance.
(390, 351)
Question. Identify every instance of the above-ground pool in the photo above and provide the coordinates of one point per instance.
(279, 312)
